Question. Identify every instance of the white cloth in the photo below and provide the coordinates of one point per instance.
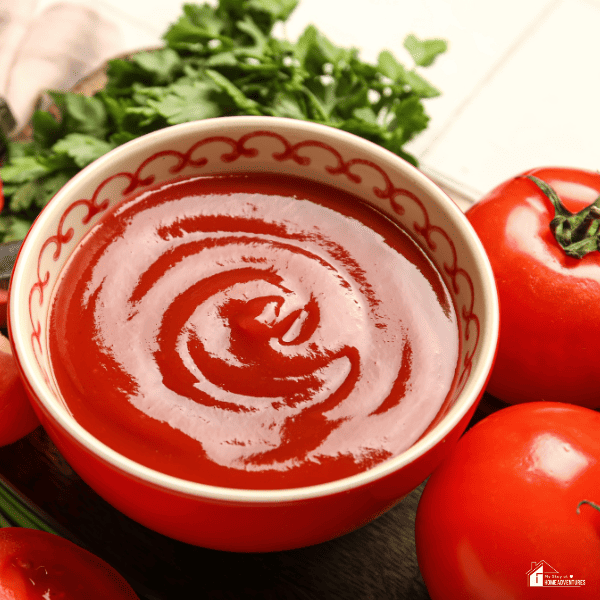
(46, 45)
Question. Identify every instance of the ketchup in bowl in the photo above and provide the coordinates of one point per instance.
(253, 331)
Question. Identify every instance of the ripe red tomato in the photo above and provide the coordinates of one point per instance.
(36, 565)
(17, 418)
(3, 307)
(501, 512)
(549, 301)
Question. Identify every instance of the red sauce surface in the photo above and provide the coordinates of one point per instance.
(253, 332)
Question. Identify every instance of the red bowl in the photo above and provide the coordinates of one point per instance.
(240, 519)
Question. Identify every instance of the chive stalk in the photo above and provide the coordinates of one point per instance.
(17, 511)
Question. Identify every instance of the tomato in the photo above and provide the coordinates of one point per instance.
(3, 307)
(549, 301)
(36, 565)
(17, 418)
(502, 511)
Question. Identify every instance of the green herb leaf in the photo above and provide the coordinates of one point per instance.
(83, 149)
(279, 10)
(218, 60)
(424, 52)
(46, 129)
(161, 65)
(22, 169)
(14, 228)
(187, 101)
(81, 114)
(195, 28)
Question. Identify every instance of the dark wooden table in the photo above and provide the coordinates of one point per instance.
(375, 562)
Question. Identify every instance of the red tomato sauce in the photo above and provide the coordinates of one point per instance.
(252, 331)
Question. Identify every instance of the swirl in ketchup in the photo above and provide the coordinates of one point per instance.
(252, 331)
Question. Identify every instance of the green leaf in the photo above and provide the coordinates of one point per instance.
(9, 189)
(22, 169)
(82, 114)
(115, 108)
(411, 80)
(56, 161)
(420, 86)
(280, 10)
(390, 67)
(424, 52)
(122, 74)
(195, 28)
(366, 114)
(288, 105)
(143, 119)
(364, 128)
(240, 100)
(409, 119)
(188, 101)
(161, 65)
(25, 197)
(13, 229)
(15, 150)
(316, 110)
(122, 137)
(205, 18)
(261, 41)
(83, 149)
(315, 50)
(222, 59)
(264, 12)
(350, 97)
(51, 184)
(34, 195)
(46, 129)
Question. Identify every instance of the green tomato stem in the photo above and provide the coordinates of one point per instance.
(593, 504)
(578, 234)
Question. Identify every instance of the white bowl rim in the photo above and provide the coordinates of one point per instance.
(477, 378)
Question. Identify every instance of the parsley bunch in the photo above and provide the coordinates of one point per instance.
(217, 61)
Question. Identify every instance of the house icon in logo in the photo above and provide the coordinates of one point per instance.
(535, 575)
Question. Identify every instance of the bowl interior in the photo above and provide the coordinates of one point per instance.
(255, 144)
